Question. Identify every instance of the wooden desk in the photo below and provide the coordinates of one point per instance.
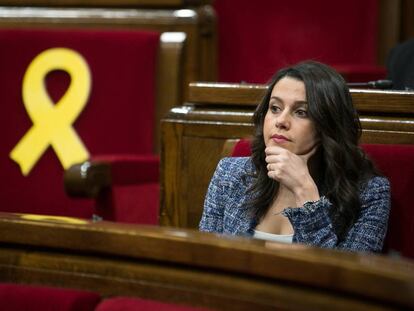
(190, 267)
(193, 136)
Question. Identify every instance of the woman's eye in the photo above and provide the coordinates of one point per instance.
(302, 113)
(274, 108)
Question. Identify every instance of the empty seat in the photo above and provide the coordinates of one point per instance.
(104, 109)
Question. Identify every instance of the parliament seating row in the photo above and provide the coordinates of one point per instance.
(353, 36)
(178, 266)
(348, 35)
(140, 61)
(184, 267)
(194, 135)
(111, 181)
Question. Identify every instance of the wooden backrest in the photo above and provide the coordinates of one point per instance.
(193, 136)
(193, 268)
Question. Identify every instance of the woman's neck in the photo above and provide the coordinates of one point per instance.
(284, 198)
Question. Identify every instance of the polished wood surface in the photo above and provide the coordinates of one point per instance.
(107, 3)
(170, 73)
(194, 134)
(250, 95)
(186, 266)
(197, 23)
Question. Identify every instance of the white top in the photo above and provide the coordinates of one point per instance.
(284, 238)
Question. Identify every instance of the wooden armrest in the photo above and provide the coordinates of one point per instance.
(90, 178)
(87, 179)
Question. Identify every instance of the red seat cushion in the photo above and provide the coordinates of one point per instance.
(134, 195)
(18, 297)
(134, 304)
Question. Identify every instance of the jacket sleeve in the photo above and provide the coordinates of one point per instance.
(213, 212)
(312, 224)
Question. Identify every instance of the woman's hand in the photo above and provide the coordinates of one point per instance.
(292, 171)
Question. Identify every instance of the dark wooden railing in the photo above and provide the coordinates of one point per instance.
(188, 267)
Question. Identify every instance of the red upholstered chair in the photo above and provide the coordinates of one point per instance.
(133, 304)
(396, 162)
(256, 38)
(114, 123)
(18, 297)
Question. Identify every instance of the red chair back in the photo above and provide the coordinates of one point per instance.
(117, 118)
(256, 38)
(396, 162)
(17, 297)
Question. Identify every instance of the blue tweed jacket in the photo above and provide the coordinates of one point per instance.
(224, 211)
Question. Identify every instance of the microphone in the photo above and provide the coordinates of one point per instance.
(379, 84)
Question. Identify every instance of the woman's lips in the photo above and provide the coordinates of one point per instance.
(280, 139)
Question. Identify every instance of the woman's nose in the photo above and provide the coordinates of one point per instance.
(283, 121)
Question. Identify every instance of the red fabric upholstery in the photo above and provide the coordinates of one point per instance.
(256, 38)
(118, 118)
(18, 297)
(396, 162)
(134, 195)
(134, 304)
(132, 169)
(242, 149)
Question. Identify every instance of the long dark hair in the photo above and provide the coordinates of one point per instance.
(344, 166)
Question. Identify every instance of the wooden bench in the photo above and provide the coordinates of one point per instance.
(187, 267)
(193, 136)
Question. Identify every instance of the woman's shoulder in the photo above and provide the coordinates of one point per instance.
(377, 182)
(375, 185)
(235, 167)
(237, 163)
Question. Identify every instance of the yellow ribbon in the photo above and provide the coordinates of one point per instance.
(52, 124)
(51, 218)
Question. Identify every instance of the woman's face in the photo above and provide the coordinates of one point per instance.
(286, 123)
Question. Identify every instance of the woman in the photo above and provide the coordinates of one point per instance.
(307, 180)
